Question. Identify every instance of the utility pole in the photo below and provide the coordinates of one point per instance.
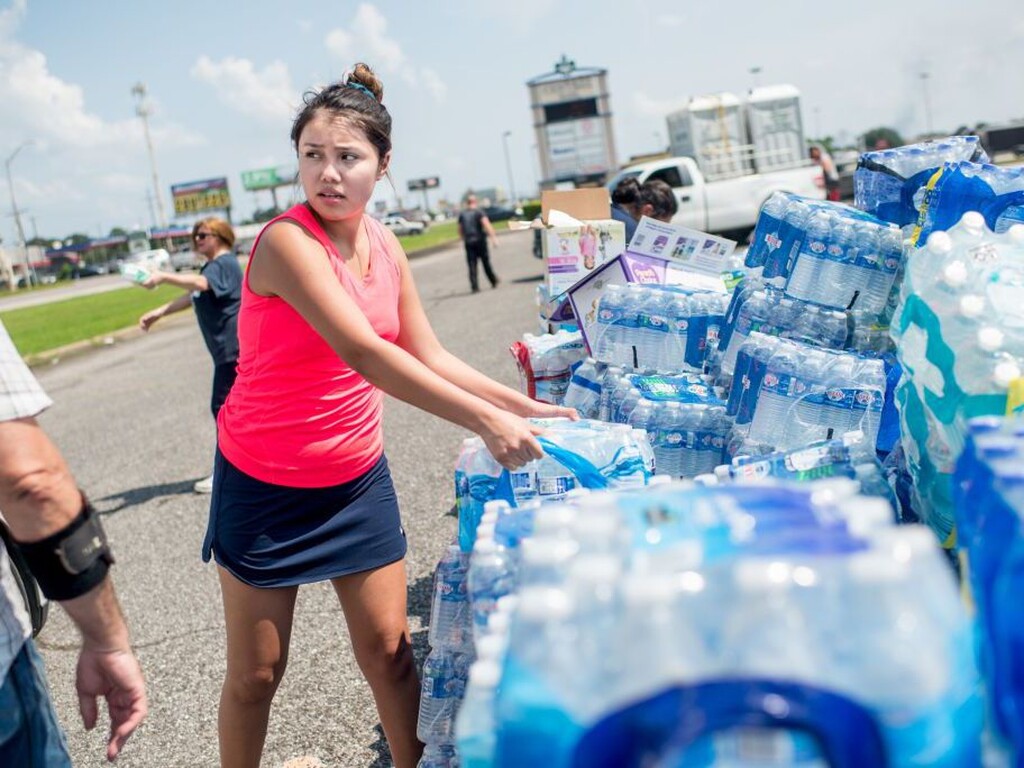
(142, 110)
(29, 269)
(508, 167)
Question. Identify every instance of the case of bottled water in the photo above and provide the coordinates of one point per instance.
(959, 331)
(890, 183)
(545, 363)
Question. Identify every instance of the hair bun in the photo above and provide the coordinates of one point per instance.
(362, 75)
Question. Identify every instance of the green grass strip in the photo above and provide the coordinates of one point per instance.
(49, 326)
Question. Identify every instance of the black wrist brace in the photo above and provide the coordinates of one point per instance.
(72, 561)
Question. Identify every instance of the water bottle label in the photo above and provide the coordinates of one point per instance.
(781, 384)
(846, 399)
(609, 315)
(523, 482)
(1008, 217)
(656, 323)
(556, 486)
(444, 686)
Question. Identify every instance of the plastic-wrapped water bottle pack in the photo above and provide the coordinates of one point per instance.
(959, 332)
(996, 193)
(890, 183)
(826, 253)
(786, 394)
(757, 306)
(545, 363)
(802, 592)
(657, 327)
(616, 455)
(989, 496)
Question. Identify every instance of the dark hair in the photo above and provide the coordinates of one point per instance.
(356, 100)
(659, 195)
(626, 192)
(218, 227)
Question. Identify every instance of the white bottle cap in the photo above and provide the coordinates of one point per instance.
(484, 545)
(990, 338)
(867, 513)
(972, 220)
(498, 505)
(939, 243)
(492, 646)
(541, 604)
(972, 305)
(955, 273)
(485, 673)
(1005, 372)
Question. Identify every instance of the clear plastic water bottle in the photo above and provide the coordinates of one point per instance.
(803, 280)
(584, 391)
(489, 577)
(475, 728)
(629, 341)
(653, 328)
(439, 756)
(680, 311)
(612, 375)
(444, 681)
(450, 621)
(610, 311)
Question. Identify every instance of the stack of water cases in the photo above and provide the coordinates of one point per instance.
(997, 193)
(850, 457)
(989, 492)
(545, 363)
(754, 595)
(661, 328)
(446, 668)
(684, 420)
(786, 394)
(757, 306)
(892, 183)
(620, 454)
(959, 330)
(825, 253)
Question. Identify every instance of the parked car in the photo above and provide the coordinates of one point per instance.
(90, 270)
(185, 260)
(157, 258)
(499, 213)
(401, 226)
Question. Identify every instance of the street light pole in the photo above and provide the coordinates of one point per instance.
(927, 103)
(142, 110)
(508, 167)
(29, 269)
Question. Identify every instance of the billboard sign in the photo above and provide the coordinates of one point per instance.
(199, 196)
(431, 182)
(267, 178)
(577, 148)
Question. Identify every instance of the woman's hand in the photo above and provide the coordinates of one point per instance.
(147, 320)
(511, 439)
(153, 280)
(535, 410)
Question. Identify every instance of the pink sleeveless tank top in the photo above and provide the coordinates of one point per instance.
(297, 414)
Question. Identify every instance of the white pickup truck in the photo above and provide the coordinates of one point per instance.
(729, 205)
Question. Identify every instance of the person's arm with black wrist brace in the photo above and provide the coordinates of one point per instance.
(61, 538)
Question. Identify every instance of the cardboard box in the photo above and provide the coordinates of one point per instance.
(689, 248)
(632, 268)
(580, 235)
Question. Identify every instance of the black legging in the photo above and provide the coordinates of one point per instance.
(478, 252)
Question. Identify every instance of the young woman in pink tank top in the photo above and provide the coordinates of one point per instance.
(330, 319)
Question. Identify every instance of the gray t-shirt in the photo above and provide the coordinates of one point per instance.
(20, 397)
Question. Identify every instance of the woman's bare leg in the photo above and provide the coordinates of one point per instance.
(259, 626)
(375, 610)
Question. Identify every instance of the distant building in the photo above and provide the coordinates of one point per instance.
(572, 120)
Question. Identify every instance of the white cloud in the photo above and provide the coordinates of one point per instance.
(671, 20)
(266, 94)
(367, 39)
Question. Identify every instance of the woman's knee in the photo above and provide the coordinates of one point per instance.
(253, 684)
(386, 655)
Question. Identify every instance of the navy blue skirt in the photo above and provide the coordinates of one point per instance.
(275, 536)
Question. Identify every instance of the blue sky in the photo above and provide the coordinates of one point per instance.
(224, 79)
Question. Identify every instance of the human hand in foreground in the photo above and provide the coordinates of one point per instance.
(511, 439)
(115, 675)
